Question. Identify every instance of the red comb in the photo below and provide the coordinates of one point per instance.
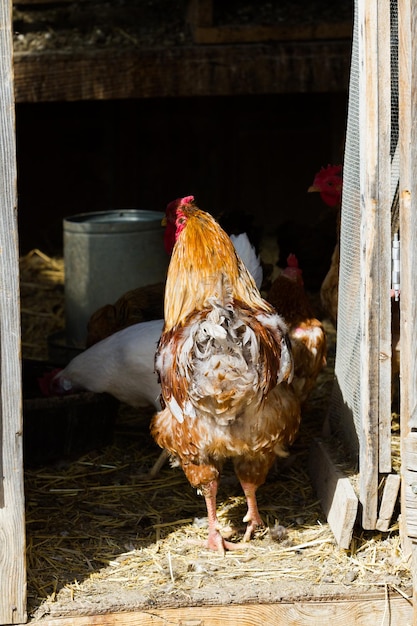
(292, 260)
(292, 270)
(186, 200)
(174, 204)
(330, 170)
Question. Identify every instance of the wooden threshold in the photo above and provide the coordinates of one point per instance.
(368, 610)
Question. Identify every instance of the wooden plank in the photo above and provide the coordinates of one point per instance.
(410, 502)
(12, 523)
(409, 458)
(46, 1)
(407, 23)
(257, 33)
(291, 67)
(365, 611)
(410, 451)
(388, 502)
(368, 152)
(337, 497)
(200, 16)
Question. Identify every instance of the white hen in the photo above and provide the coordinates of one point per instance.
(121, 365)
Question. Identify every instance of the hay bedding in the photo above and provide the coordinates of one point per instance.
(102, 536)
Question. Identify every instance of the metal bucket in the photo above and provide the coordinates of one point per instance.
(107, 253)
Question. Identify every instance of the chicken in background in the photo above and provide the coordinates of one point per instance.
(328, 182)
(121, 365)
(225, 366)
(307, 335)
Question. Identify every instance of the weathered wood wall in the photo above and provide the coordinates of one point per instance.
(12, 529)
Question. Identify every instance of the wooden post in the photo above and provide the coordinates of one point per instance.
(375, 211)
(407, 23)
(12, 529)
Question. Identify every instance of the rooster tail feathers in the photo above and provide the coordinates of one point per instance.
(247, 254)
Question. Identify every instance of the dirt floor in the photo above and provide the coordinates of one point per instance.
(103, 536)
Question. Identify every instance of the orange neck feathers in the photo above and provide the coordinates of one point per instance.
(204, 265)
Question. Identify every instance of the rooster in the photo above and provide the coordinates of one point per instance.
(225, 367)
(307, 336)
(328, 182)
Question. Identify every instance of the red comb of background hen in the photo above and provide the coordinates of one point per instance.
(171, 216)
(292, 270)
(329, 171)
(328, 181)
(292, 260)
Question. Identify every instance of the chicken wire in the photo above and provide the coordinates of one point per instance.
(347, 398)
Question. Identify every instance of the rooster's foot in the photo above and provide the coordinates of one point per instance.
(217, 543)
(252, 527)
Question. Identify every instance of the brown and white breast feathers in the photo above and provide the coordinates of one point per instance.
(222, 360)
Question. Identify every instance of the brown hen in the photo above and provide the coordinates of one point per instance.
(133, 307)
(308, 339)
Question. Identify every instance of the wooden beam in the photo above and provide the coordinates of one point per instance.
(291, 67)
(12, 521)
(375, 198)
(258, 33)
(204, 31)
(361, 611)
(337, 497)
(46, 1)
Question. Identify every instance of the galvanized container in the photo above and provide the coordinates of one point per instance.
(107, 253)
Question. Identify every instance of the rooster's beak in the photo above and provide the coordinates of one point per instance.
(164, 221)
(313, 188)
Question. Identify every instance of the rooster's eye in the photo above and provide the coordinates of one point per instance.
(181, 220)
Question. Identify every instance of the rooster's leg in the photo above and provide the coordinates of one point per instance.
(215, 541)
(252, 516)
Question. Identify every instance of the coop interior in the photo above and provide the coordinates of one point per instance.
(102, 534)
